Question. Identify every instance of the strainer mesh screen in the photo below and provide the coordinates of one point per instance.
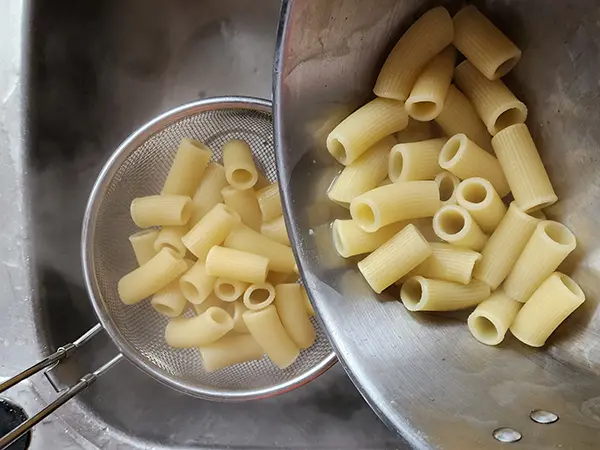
(143, 173)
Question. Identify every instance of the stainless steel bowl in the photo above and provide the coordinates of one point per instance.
(424, 375)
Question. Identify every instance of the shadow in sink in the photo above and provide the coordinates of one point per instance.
(98, 71)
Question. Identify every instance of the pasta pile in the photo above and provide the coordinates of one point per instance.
(499, 258)
(222, 250)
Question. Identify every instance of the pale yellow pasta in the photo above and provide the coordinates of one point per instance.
(447, 184)
(187, 168)
(480, 199)
(196, 284)
(161, 210)
(494, 102)
(424, 294)
(150, 277)
(415, 160)
(490, 321)
(291, 308)
(385, 182)
(459, 116)
(426, 99)
(170, 237)
(548, 246)
(465, 159)
(523, 168)
(281, 257)
(551, 303)
(484, 45)
(455, 225)
(228, 289)
(240, 169)
(275, 230)
(142, 244)
(237, 264)
(211, 300)
(276, 278)
(183, 332)
(365, 127)
(209, 190)
(364, 174)
(262, 180)
(259, 296)
(350, 239)
(425, 38)
(169, 301)
(308, 305)
(395, 202)
(269, 202)
(237, 310)
(230, 350)
(417, 131)
(211, 230)
(245, 204)
(266, 327)
(449, 263)
(394, 259)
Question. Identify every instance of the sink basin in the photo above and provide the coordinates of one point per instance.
(77, 78)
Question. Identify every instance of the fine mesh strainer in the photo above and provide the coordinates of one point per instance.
(138, 168)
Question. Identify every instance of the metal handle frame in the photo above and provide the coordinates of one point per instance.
(48, 362)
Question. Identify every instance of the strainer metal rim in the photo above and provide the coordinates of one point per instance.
(87, 236)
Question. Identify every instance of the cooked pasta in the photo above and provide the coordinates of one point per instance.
(492, 318)
(269, 202)
(424, 294)
(210, 301)
(480, 199)
(266, 327)
(426, 99)
(415, 160)
(236, 264)
(170, 237)
(484, 45)
(523, 168)
(161, 210)
(142, 244)
(276, 278)
(208, 193)
(211, 230)
(447, 184)
(230, 350)
(228, 289)
(259, 296)
(275, 230)
(448, 262)
(365, 127)
(425, 38)
(395, 202)
(184, 332)
(465, 159)
(291, 308)
(196, 284)
(455, 225)
(550, 304)
(394, 259)
(236, 310)
(417, 131)
(187, 168)
(245, 204)
(309, 307)
(548, 246)
(350, 239)
(494, 102)
(240, 169)
(169, 301)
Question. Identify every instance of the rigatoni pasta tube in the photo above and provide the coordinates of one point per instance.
(240, 169)
(427, 96)
(211, 230)
(237, 310)
(187, 168)
(183, 332)
(484, 45)
(449, 263)
(275, 230)
(161, 210)
(196, 284)
(294, 317)
(266, 327)
(269, 202)
(417, 131)
(504, 246)
(394, 259)
(425, 38)
(170, 237)
(365, 127)
(465, 159)
(350, 239)
(245, 204)
(210, 301)
(551, 303)
(454, 224)
(150, 277)
(549, 245)
(490, 321)
(480, 199)
(228, 289)
(494, 102)
(237, 264)
(395, 202)
(169, 301)
(415, 160)
(209, 190)
(363, 174)
(230, 350)
(259, 296)
(523, 167)
(447, 184)
(309, 307)
(424, 294)
(459, 116)
(142, 244)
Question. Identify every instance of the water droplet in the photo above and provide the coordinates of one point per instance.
(542, 416)
(507, 435)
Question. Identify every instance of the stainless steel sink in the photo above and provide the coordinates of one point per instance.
(75, 79)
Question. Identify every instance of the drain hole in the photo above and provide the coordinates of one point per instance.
(507, 435)
(11, 416)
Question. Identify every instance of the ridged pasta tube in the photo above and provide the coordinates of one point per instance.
(480, 199)
(170, 237)
(240, 169)
(291, 308)
(187, 168)
(423, 294)
(492, 318)
(448, 263)
(269, 202)
(161, 210)
(211, 230)
(455, 225)
(230, 350)
(208, 193)
(236, 310)
(276, 231)
(415, 160)
(447, 184)
(236, 264)
(350, 239)
(259, 296)
(142, 244)
(184, 332)
(169, 301)
(196, 284)
(228, 289)
(245, 204)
